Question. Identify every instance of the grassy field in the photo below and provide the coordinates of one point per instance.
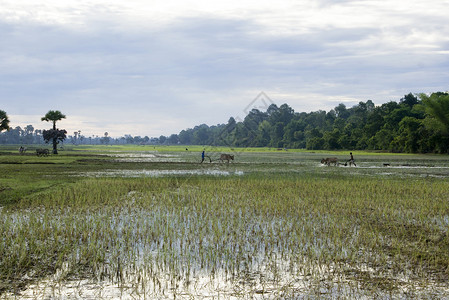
(135, 221)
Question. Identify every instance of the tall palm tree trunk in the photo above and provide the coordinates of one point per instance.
(55, 141)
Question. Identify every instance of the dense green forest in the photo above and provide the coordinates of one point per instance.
(414, 124)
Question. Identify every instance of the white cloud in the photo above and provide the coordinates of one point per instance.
(167, 65)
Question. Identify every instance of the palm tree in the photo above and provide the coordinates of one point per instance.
(54, 134)
(4, 121)
(53, 115)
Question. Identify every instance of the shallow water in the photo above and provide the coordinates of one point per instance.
(258, 282)
(265, 273)
(160, 173)
(396, 170)
(152, 156)
(253, 286)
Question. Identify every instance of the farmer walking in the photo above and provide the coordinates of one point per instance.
(351, 160)
(202, 156)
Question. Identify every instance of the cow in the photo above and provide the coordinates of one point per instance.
(329, 160)
(42, 152)
(227, 157)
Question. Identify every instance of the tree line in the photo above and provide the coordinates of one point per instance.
(53, 135)
(414, 124)
(30, 135)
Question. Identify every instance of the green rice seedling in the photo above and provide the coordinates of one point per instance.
(301, 231)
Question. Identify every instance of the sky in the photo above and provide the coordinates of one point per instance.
(152, 68)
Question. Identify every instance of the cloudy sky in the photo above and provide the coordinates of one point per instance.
(145, 67)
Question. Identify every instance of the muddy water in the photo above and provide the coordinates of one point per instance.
(219, 286)
(265, 275)
(160, 173)
(257, 283)
(145, 157)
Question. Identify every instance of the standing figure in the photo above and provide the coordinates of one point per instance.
(202, 156)
(351, 160)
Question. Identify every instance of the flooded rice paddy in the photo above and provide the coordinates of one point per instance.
(265, 226)
(160, 173)
(385, 165)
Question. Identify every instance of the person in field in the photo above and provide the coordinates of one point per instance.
(202, 156)
(351, 160)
